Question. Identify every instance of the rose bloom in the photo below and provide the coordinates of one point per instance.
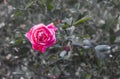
(42, 36)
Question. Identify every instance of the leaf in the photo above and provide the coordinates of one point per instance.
(49, 1)
(88, 76)
(19, 41)
(112, 36)
(86, 36)
(18, 13)
(65, 25)
(53, 57)
(29, 5)
(100, 63)
(36, 65)
(49, 7)
(84, 19)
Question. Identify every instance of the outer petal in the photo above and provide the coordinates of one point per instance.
(42, 49)
(52, 26)
(39, 48)
(52, 41)
(37, 27)
(28, 35)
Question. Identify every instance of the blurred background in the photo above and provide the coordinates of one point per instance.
(88, 39)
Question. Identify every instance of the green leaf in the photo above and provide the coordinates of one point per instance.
(49, 7)
(86, 36)
(36, 65)
(18, 13)
(19, 41)
(54, 57)
(65, 25)
(84, 19)
(29, 5)
(112, 36)
(49, 1)
(100, 63)
(88, 76)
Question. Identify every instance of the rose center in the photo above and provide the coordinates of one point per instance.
(42, 37)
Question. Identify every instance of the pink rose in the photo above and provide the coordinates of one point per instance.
(42, 36)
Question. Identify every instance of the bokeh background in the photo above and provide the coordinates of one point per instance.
(88, 39)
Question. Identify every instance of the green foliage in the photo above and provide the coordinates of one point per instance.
(18, 13)
(112, 36)
(84, 19)
(19, 41)
(29, 5)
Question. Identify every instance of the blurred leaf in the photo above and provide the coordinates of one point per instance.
(84, 19)
(19, 41)
(81, 52)
(49, 6)
(49, 1)
(41, 2)
(86, 36)
(54, 57)
(29, 5)
(100, 63)
(18, 13)
(116, 3)
(110, 22)
(68, 21)
(36, 65)
(65, 25)
(112, 36)
(88, 76)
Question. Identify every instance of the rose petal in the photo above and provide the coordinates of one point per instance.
(39, 47)
(28, 35)
(52, 41)
(52, 26)
(37, 27)
(42, 49)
